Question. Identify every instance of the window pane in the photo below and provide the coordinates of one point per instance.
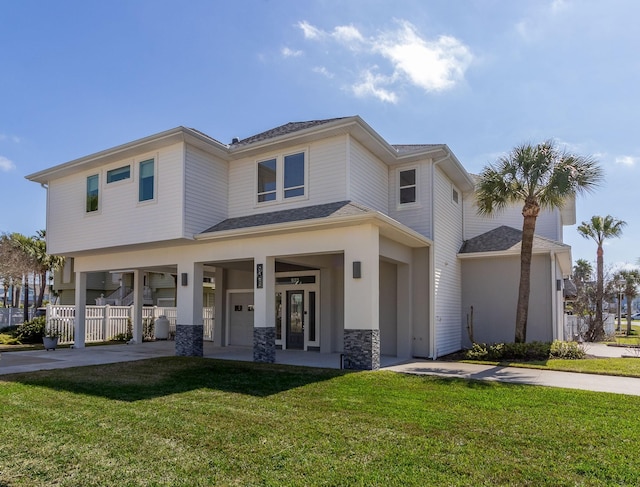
(146, 181)
(118, 174)
(278, 316)
(294, 173)
(290, 193)
(92, 193)
(267, 180)
(408, 195)
(407, 178)
(312, 316)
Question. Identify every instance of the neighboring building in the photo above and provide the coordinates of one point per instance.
(319, 236)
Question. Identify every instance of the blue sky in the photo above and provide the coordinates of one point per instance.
(77, 77)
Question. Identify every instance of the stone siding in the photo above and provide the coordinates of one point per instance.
(189, 340)
(264, 344)
(362, 349)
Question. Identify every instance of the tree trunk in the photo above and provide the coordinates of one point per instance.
(43, 281)
(629, 299)
(599, 324)
(522, 312)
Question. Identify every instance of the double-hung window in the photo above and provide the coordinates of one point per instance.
(147, 177)
(282, 177)
(407, 186)
(93, 185)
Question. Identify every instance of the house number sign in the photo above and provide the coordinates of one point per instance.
(259, 276)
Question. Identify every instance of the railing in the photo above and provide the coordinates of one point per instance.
(104, 323)
(575, 327)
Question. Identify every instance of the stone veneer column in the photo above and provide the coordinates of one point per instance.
(264, 315)
(189, 327)
(362, 349)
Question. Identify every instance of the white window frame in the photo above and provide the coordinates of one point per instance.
(454, 191)
(98, 210)
(410, 204)
(137, 164)
(128, 179)
(280, 178)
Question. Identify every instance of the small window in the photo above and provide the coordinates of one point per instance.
(294, 175)
(119, 174)
(92, 193)
(267, 180)
(407, 187)
(147, 174)
(454, 195)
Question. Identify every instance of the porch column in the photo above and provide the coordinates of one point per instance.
(79, 325)
(138, 299)
(189, 327)
(361, 293)
(264, 315)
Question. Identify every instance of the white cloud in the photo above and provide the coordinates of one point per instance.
(409, 59)
(432, 66)
(323, 71)
(310, 32)
(370, 85)
(6, 165)
(286, 52)
(627, 160)
(13, 138)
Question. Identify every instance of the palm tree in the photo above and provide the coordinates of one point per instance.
(599, 229)
(582, 271)
(631, 279)
(539, 177)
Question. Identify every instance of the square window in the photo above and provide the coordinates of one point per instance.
(146, 186)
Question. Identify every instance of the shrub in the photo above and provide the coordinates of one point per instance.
(567, 350)
(9, 329)
(8, 339)
(509, 351)
(32, 331)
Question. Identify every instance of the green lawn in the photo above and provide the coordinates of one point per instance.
(626, 367)
(198, 422)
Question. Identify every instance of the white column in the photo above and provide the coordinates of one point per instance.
(189, 323)
(79, 329)
(138, 300)
(404, 295)
(264, 315)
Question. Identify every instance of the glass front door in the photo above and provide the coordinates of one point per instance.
(295, 320)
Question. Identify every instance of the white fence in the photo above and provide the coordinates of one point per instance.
(13, 316)
(575, 327)
(104, 323)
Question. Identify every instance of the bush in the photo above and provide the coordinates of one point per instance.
(567, 350)
(9, 329)
(32, 331)
(509, 351)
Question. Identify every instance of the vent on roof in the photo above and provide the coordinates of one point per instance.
(235, 140)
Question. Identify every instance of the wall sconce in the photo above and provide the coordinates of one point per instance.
(183, 276)
(357, 269)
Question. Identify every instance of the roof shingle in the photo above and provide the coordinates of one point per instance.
(506, 238)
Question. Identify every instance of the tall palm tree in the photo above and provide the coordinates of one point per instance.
(539, 177)
(599, 229)
(582, 271)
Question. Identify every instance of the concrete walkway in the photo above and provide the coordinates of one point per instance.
(33, 360)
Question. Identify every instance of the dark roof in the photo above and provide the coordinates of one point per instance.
(285, 129)
(570, 290)
(505, 238)
(338, 209)
(408, 148)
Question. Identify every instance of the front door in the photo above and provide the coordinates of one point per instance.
(295, 320)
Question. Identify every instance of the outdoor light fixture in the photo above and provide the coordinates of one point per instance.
(184, 278)
(357, 269)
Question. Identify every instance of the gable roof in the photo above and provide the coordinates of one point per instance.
(288, 128)
(505, 239)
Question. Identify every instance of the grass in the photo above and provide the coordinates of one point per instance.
(624, 367)
(197, 422)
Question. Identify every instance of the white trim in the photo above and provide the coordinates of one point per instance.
(279, 191)
(155, 157)
(306, 288)
(413, 204)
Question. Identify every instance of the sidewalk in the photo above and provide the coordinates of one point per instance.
(33, 360)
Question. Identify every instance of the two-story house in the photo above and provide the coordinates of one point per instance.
(320, 236)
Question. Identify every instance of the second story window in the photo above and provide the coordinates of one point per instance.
(294, 175)
(282, 177)
(119, 174)
(147, 176)
(93, 184)
(267, 179)
(407, 186)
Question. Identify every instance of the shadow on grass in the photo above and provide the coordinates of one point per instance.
(151, 378)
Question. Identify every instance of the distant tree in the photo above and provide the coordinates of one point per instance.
(14, 264)
(600, 229)
(538, 177)
(631, 278)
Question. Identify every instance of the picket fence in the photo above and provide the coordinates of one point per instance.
(104, 323)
